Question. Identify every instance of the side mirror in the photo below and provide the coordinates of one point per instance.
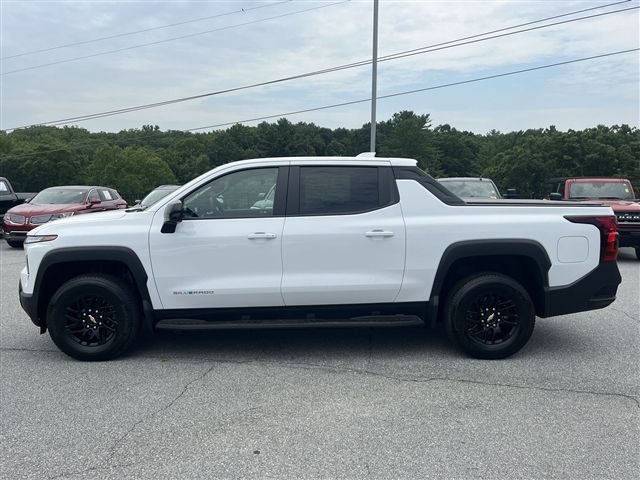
(137, 201)
(172, 216)
(555, 196)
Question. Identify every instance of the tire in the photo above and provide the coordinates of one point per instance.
(15, 244)
(471, 321)
(75, 323)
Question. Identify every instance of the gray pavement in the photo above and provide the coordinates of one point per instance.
(348, 403)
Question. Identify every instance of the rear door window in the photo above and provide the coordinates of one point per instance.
(335, 190)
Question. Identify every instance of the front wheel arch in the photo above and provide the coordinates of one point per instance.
(61, 265)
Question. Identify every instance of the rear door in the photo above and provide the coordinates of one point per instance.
(344, 236)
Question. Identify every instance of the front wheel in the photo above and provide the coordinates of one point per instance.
(489, 316)
(94, 317)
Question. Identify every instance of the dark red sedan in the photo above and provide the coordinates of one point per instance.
(53, 203)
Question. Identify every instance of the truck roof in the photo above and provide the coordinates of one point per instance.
(363, 159)
(466, 179)
(588, 179)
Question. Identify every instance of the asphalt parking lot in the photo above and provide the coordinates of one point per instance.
(346, 403)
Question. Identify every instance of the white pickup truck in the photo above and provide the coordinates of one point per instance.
(345, 241)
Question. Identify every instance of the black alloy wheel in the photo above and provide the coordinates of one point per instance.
(489, 315)
(491, 319)
(91, 321)
(94, 317)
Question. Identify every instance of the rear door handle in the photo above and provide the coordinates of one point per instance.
(379, 233)
(255, 235)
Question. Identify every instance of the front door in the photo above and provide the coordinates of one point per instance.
(226, 252)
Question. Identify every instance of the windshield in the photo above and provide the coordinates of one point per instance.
(603, 190)
(156, 195)
(59, 196)
(472, 188)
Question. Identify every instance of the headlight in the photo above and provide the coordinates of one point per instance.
(16, 219)
(39, 238)
(38, 219)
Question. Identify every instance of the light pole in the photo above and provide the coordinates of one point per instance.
(374, 77)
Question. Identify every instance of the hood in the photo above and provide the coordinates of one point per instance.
(29, 209)
(75, 220)
(616, 205)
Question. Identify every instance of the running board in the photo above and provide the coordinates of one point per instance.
(375, 321)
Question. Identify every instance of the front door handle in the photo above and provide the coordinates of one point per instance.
(379, 233)
(255, 235)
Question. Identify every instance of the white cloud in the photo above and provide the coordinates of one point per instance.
(295, 44)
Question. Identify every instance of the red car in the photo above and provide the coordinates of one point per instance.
(53, 203)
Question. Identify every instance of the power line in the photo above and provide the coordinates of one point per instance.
(181, 37)
(353, 102)
(408, 92)
(407, 53)
(135, 32)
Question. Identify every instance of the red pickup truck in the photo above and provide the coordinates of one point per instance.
(614, 192)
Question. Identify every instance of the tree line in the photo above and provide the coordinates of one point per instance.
(137, 160)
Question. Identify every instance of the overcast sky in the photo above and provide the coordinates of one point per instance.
(603, 91)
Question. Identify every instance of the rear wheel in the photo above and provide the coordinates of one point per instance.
(15, 243)
(489, 316)
(94, 317)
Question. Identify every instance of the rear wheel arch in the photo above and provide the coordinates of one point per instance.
(61, 265)
(526, 261)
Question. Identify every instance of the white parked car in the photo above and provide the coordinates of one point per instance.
(472, 188)
(346, 241)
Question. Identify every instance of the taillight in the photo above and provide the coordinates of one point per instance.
(608, 227)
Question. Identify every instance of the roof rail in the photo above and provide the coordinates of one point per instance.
(366, 155)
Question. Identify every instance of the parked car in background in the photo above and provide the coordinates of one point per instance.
(9, 198)
(54, 203)
(616, 193)
(471, 187)
(157, 194)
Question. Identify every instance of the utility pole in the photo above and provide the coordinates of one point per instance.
(374, 77)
